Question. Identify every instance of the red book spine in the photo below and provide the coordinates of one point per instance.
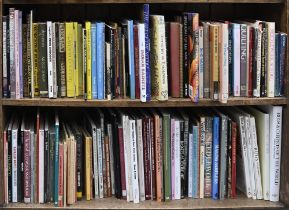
(122, 162)
(136, 62)
(250, 67)
(234, 162)
(60, 176)
(27, 167)
(147, 169)
(153, 159)
(174, 59)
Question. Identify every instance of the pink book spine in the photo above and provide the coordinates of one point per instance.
(60, 176)
(173, 158)
(27, 167)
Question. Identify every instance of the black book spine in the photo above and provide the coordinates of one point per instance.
(9, 165)
(126, 55)
(255, 60)
(113, 62)
(120, 64)
(42, 59)
(46, 165)
(263, 63)
(229, 160)
(79, 168)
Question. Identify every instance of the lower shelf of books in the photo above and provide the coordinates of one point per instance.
(207, 203)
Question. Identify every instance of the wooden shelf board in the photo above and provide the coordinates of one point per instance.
(133, 1)
(172, 102)
(113, 203)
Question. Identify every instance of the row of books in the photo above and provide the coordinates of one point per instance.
(138, 155)
(142, 59)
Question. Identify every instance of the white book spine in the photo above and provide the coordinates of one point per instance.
(202, 158)
(95, 162)
(271, 59)
(225, 73)
(201, 62)
(256, 162)
(99, 152)
(236, 54)
(134, 161)
(245, 155)
(142, 61)
(177, 161)
(275, 151)
(31, 53)
(16, 55)
(266, 168)
(109, 128)
(258, 66)
(55, 88)
(129, 161)
(140, 160)
(41, 166)
(14, 165)
(49, 59)
(250, 156)
(190, 168)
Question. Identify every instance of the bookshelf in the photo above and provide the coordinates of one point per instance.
(275, 10)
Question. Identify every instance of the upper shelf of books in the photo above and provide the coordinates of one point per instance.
(134, 1)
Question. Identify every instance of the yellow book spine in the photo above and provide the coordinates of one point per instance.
(88, 59)
(69, 44)
(35, 59)
(80, 60)
(76, 56)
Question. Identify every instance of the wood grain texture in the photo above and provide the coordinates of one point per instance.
(172, 102)
(113, 203)
(134, 1)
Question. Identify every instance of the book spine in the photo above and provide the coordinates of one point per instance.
(195, 164)
(223, 157)
(201, 62)
(177, 161)
(181, 61)
(206, 60)
(62, 64)
(12, 54)
(76, 58)
(185, 54)
(256, 62)
(251, 40)
(214, 58)
(127, 159)
(167, 156)
(14, 166)
(208, 157)
(142, 61)
(264, 47)
(140, 160)
(236, 59)
(243, 60)
(42, 59)
(271, 60)
(215, 160)
(100, 163)
(131, 59)
(46, 164)
(56, 162)
(61, 175)
(33, 166)
(17, 54)
(190, 169)
(283, 44)
(100, 59)
(27, 168)
(5, 148)
(277, 72)
(202, 156)
(159, 159)
(173, 172)
(183, 159)
(152, 157)
(41, 166)
(8, 56)
(146, 15)
(49, 59)
(224, 64)
(136, 61)
(107, 165)
(231, 60)
(193, 58)
(147, 168)
(95, 163)
(54, 70)
(122, 163)
(111, 158)
(79, 169)
(9, 157)
(35, 85)
(234, 160)
(51, 165)
(4, 56)
(93, 62)
(79, 62)
(24, 63)
(88, 60)
(87, 168)
(20, 27)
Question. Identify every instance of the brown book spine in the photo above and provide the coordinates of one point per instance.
(234, 161)
(159, 160)
(107, 157)
(25, 61)
(181, 77)
(147, 166)
(122, 162)
(153, 160)
(174, 60)
(250, 66)
(136, 62)
(60, 175)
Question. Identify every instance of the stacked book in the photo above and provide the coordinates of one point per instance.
(138, 155)
(142, 59)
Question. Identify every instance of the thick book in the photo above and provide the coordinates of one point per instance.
(215, 156)
(49, 58)
(236, 59)
(136, 61)
(69, 49)
(202, 156)
(42, 59)
(201, 62)
(196, 159)
(208, 157)
(94, 85)
(185, 54)
(158, 58)
(243, 60)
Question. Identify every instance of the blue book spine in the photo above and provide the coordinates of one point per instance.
(100, 59)
(56, 162)
(282, 48)
(215, 162)
(131, 59)
(146, 13)
(93, 61)
(277, 66)
(195, 162)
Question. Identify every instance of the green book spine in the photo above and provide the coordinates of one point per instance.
(42, 59)
(167, 155)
